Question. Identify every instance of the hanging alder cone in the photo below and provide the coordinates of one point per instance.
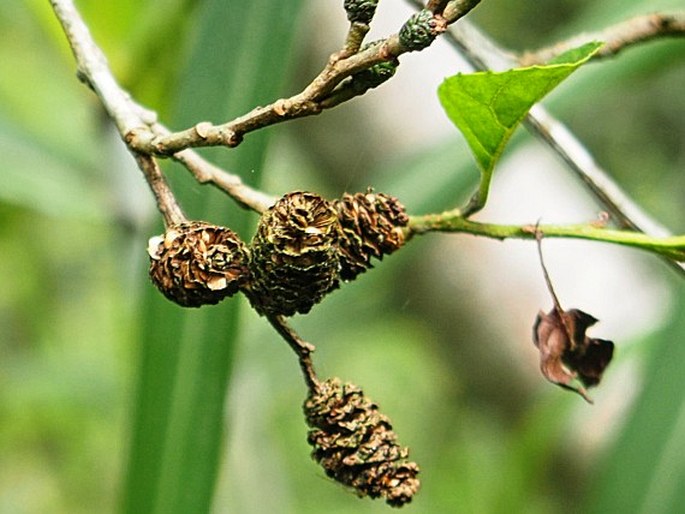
(372, 226)
(294, 259)
(196, 263)
(356, 445)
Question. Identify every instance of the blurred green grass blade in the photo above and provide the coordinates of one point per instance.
(35, 177)
(148, 40)
(644, 471)
(487, 106)
(239, 59)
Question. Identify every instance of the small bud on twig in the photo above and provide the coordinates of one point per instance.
(360, 11)
(373, 76)
(419, 31)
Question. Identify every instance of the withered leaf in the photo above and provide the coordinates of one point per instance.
(567, 356)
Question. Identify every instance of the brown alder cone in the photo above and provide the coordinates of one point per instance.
(294, 255)
(196, 263)
(372, 226)
(356, 446)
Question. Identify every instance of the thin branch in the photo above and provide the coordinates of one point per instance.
(354, 39)
(672, 247)
(302, 348)
(207, 173)
(548, 280)
(94, 71)
(130, 117)
(306, 103)
(456, 9)
(616, 38)
(436, 6)
(166, 202)
(310, 101)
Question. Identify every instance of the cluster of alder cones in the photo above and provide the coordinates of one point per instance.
(304, 246)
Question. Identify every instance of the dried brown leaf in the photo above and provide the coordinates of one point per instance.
(568, 357)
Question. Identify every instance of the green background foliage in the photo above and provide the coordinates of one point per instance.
(100, 375)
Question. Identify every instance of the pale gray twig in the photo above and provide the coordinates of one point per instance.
(130, 117)
(166, 202)
(616, 38)
(312, 100)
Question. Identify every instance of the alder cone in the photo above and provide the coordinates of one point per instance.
(373, 226)
(196, 263)
(294, 257)
(356, 446)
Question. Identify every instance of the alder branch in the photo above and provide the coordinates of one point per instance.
(144, 135)
(672, 247)
(616, 38)
(166, 202)
(129, 116)
(321, 93)
(302, 349)
(207, 173)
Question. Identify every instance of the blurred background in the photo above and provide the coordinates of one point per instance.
(438, 334)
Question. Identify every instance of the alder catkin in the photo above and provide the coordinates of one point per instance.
(374, 75)
(419, 31)
(360, 11)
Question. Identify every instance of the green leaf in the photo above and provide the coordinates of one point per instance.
(239, 59)
(488, 106)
